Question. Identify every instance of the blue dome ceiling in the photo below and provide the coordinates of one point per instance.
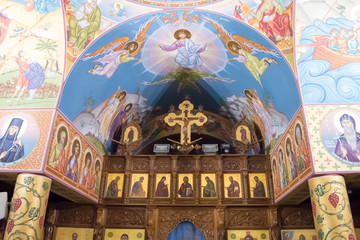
(214, 61)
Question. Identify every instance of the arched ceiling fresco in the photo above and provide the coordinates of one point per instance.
(220, 63)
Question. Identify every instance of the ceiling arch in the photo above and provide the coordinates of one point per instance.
(224, 65)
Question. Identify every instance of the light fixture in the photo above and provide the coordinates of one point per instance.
(161, 148)
(225, 148)
(210, 149)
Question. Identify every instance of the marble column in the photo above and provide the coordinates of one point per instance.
(331, 208)
(28, 207)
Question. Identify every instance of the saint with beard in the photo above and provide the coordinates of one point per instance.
(57, 154)
(73, 165)
(348, 144)
(11, 148)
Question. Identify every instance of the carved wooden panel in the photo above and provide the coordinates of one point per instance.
(140, 164)
(246, 218)
(185, 164)
(296, 217)
(76, 216)
(209, 165)
(257, 164)
(115, 164)
(230, 164)
(202, 218)
(126, 217)
(163, 165)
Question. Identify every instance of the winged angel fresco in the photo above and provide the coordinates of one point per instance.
(121, 50)
(244, 50)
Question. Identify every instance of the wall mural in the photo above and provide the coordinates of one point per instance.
(272, 18)
(327, 51)
(23, 139)
(86, 20)
(131, 58)
(334, 137)
(32, 62)
(291, 162)
(73, 161)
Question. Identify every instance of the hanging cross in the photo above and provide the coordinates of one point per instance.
(185, 120)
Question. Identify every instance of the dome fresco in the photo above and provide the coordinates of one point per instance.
(149, 56)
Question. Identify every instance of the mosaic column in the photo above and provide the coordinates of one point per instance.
(28, 207)
(331, 208)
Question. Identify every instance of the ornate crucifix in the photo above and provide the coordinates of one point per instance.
(185, 120)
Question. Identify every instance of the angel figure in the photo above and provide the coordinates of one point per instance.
(188, 52)
(109, 111)
(259, 108)
(121, 50)
(243, 49)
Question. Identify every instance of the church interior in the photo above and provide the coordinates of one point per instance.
(179, 119)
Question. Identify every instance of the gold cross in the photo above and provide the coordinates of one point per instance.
(185, 120)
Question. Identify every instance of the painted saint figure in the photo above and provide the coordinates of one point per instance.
(276, 176)
(185, 189)
(130, 136)
(303, 158)
(36, 76)
(73, 163)
(233, 190)
(283, 170)
(209, 189)
(95, 187)
(137, 189)
(107, 114)
(333, 43)
(120, 50)
(352, 43)
(112, 60)
(259, 189)
(188, 55)
(292, 164)
(22, 82)
(255, 66)
(243, 134)
(274, 22)
(83, 24)
(124, 237)
(11, 148)
(57, 154)
(74, 236)
(162, 189)
(348, 144)
(113, 189)
(85, 175)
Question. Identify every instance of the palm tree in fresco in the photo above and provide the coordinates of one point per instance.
(49, 47)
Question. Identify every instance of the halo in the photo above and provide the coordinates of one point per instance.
(87, 151)
(351, 113)
(128, 107)
(355, 12)
(80, 144)
(118, 4)
(122, 95)
(7, 123)
(97, 160)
